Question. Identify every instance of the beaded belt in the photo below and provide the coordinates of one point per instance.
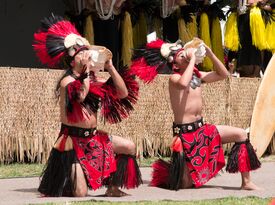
(188, 127)
(77, 131)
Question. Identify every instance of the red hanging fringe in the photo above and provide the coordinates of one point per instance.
(160, 175)
(132, 179)
(115, 109)
(242, 158)
(128, 174)
(74, 109)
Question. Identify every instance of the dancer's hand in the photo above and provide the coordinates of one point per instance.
(208, 50)
(86, 61)
(109, 65)
(190, 53)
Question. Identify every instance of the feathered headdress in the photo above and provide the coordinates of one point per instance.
(57, 40)
(158, 57)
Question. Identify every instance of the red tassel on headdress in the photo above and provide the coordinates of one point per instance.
(49, 40)
(155, 44)
(147, 61)
(145, 72)
(41, 50)
(63, 28)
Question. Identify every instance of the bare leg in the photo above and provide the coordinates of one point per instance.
(120, 146)
(186, 178)
(78, 178)
(233, 134)
(123, 146)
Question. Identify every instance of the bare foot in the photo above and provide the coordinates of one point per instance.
(115, 192)
(250, 186)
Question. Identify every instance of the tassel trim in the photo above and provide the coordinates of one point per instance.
(147, 61)
(176, 170)
(56, 177)
(242, 158)
(114, 109)
(128, 174)
(160, 174)
(73, 107)
(169, 175)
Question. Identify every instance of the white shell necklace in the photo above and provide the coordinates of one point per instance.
(168, 7)
(101, 12)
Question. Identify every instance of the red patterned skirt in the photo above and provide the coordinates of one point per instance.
(96, 157)
(91, 148)
(203, 153)
(195, 145)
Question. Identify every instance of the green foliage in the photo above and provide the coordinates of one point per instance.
(223, 201)
(20, 170)
(31, 170)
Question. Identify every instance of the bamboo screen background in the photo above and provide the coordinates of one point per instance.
(29, 113)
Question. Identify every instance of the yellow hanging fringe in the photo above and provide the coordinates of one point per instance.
(270, 34)
(127, 39)
(135, 35)
(192, 27)
(184, 35)
(140, 31)
(216, 39)
(89, 30)
(231, 35)
(257, 29)
(157, 27)
(207, 64)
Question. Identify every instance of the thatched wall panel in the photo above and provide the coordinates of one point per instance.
(29, 112)
(243, 93)
(215, 102)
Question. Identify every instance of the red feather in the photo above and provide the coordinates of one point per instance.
(145, 72)
(63, 28)
(77, 113)
(155, 44)
(60, 29)
(40, 47)
(160, 175)
(132, 180)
